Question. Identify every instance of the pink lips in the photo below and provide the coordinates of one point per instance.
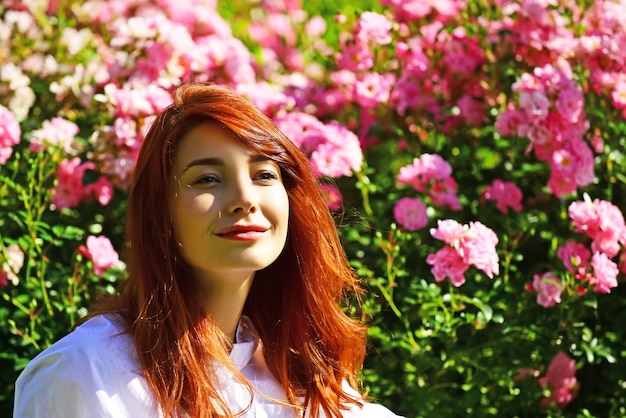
(242, 232)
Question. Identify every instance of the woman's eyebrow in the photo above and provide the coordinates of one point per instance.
(258, 158)
(204, 161)
(254, 158)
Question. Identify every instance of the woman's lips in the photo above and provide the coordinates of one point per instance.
(242, 232)
(243, 235)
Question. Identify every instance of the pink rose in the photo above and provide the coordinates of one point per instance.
(549, 288)
(339, 154)
(448, 263)
(618, 95)
(508, 121)
(356, 57)
(101, 252)
(600, 220)
(57, 132)
(535, 103)
(560, 379)
(10, 133)
(372, 89)
(101, 190)
(315, 27)
(410, 213)
(574, 255)
(605, 273)
(570, 104)
(374, 27)
(449, 231)
(479, 249)
(443, 193)
(69, 190)
(473, 245)
(423, 170)
(506, 195)
(11, 265)
(333, 149)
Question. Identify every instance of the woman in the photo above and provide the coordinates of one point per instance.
(235, 279)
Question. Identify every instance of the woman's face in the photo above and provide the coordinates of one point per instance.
(230, 208)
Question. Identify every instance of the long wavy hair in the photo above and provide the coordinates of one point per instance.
(310, 344)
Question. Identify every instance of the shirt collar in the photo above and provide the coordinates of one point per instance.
(246, 343)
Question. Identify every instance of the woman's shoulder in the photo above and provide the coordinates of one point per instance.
(366, 409)
(93, 368)
(371, 410)
(98, 341)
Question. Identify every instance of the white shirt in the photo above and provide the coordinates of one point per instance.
(94, 372)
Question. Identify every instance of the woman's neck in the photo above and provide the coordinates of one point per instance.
(224, 304)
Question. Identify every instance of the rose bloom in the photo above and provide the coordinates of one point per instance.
(560, 378)
(410, 213)
(449, 231)
(299, 127)
(372, 89)
(448, 263)
(11, 264)
(570, 104)
(549, 288)
(374, 27)
(473, 244)
(10, 133)
(423, 170)
(600, 220)
(338, 153)
(508, 121)
(506, 195)
(69, 192)
(356, 57)
(479, 249)
(574, 256)
(101, 252)
(315, 27)
(443, 193)
(605, 273)
(101, 190)
(56, 132)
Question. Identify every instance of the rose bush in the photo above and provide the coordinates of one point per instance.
(473, 152)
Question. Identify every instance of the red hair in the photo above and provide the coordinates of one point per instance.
(310, 345)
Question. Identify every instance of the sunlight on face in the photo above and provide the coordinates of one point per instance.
(230, 209)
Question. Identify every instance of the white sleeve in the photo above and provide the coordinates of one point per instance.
(84, 375)
(55, 386)
(369, 410)
(44, 391)
(372, 410)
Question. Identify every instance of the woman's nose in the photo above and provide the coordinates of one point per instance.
(242, 197)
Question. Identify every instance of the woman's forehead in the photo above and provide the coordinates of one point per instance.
(211, 143)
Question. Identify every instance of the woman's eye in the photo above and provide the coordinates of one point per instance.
(207, 179)
(268, 175)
